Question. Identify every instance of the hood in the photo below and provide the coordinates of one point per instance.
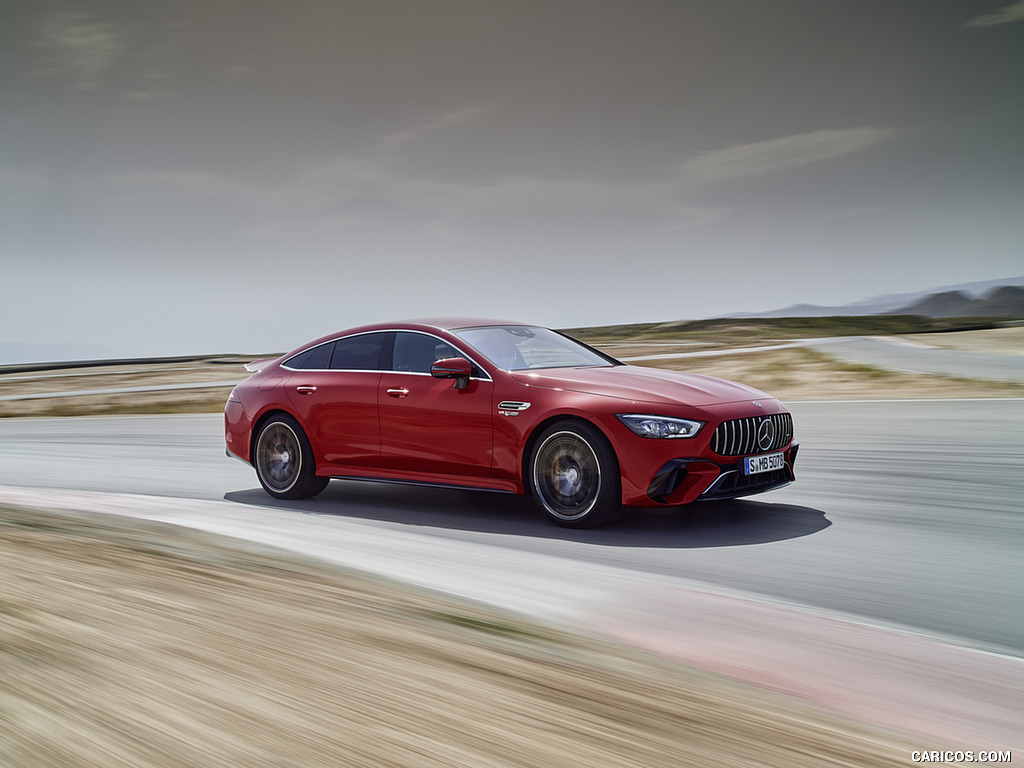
(650, 385)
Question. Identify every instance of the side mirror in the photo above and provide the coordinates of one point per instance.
(458, 368)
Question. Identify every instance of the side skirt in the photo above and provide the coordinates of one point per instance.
(423, 483)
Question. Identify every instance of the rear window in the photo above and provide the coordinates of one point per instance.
(355, 353)
(317, 358)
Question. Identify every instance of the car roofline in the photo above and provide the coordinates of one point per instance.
(445, 324)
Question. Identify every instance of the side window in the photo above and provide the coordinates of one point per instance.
(416, 352)
(358, 353)
(312, 359)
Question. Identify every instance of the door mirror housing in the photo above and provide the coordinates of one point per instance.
(458, 368)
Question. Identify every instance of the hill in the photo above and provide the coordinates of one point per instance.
(896, 303)
(1006, 301)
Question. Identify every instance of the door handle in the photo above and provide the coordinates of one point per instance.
(306, 389)
(398, 391)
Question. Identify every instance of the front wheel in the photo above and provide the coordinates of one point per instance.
(284, 460)
(574, 476)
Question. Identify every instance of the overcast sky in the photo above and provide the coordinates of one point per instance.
(242, 175)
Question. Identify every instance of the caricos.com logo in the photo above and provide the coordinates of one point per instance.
(959, 756)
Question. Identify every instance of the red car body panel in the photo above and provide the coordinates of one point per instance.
(654, 385)
(411, 427)
(338, 410)
(431, 427)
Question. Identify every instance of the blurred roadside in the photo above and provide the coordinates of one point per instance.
(812, 360)
(130, 642)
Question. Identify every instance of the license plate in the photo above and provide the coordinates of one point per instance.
(767, 463)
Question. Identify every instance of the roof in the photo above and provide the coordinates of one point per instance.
(419, 324)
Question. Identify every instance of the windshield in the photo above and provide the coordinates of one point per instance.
(521, 347)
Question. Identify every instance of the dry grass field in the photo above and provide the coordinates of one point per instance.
(209, 399)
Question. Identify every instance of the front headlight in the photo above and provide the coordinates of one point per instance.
(659, 426)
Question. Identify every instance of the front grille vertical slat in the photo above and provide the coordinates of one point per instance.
(738, 437)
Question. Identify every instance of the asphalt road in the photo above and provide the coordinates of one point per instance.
(910, 357)
(906, 513)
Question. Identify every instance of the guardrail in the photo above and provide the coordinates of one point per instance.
(56, 366)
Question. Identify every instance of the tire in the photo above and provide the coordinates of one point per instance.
(284, 460)
(574, 476)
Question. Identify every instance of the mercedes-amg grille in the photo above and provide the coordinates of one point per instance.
(758, 434)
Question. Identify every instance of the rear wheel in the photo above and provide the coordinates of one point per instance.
(574, 476)
(284, 460)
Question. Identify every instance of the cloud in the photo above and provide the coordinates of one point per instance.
(451, 207)
(22, 184)
(152, 95)
(350, 191)
(79, 47)
(395, 141)
(375, 189)
(1005, 15)
(746, 160)
(164, 184)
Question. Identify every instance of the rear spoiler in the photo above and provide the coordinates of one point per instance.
(258, 365)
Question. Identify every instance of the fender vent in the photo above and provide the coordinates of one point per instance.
(513, 405)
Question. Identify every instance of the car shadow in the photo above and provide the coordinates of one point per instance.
(708, 524)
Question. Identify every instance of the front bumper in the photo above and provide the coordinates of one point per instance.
(683, 480)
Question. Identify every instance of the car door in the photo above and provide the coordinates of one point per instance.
(334, 392)
(427, 425)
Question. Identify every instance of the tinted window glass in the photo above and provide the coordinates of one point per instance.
(299, 359)
(358, 353)
(416, 352)
(312, 359)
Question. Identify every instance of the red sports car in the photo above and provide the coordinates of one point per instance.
(502, 406)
